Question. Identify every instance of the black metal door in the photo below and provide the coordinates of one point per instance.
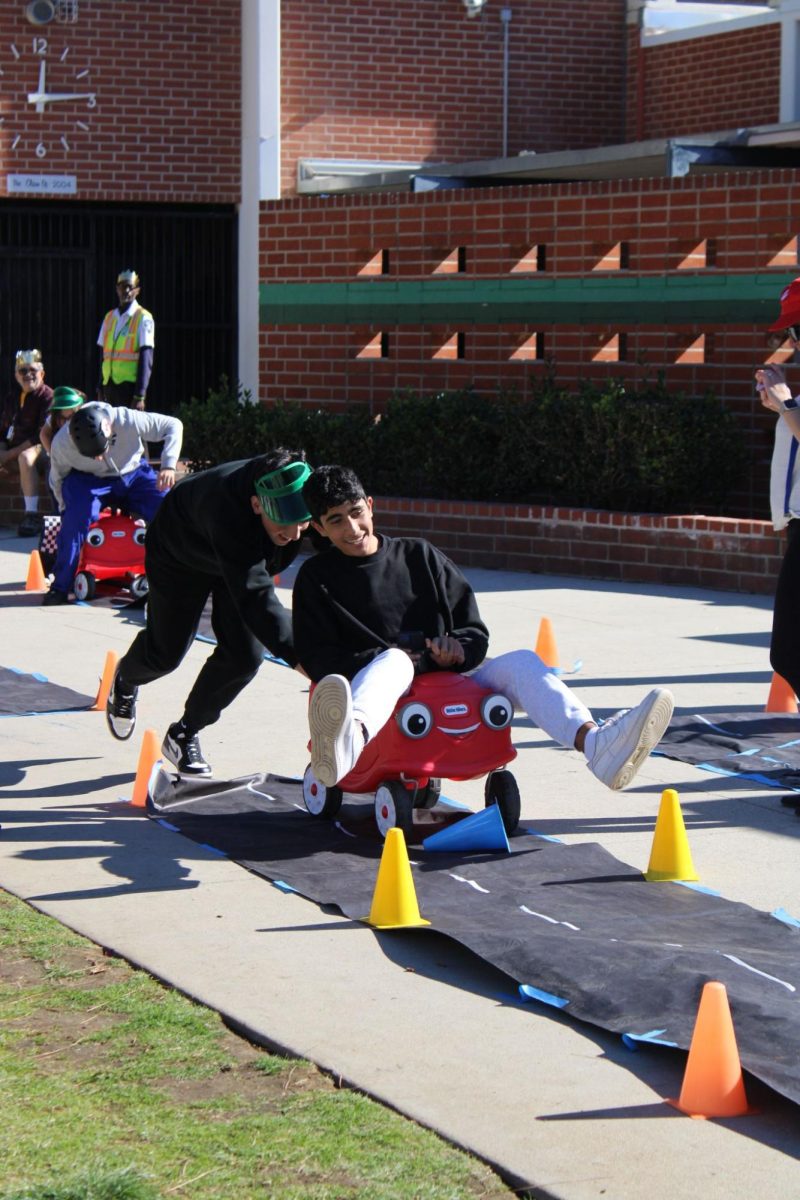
(58, 266)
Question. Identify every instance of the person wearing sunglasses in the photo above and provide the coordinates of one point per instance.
(23, 413)
(775, 394)
(221, 535)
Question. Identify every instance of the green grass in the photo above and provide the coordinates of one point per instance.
(117, 1088)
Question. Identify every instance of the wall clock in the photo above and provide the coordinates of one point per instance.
(47, 82)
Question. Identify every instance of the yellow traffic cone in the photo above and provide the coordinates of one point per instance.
(106, 680)
(546, 644)
(781, 697)
(36, 581)
(394, 901)
(148, 757)
(712, 1083)
(670, 856)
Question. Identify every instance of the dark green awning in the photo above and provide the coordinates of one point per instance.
(708, 298)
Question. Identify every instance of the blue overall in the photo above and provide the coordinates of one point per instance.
(84, 496)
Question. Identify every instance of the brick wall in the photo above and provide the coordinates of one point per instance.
(704, 84)
(744, 222)
(695, 551)
(166, 79)
(373, 79)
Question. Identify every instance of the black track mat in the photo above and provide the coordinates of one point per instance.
(764, 747)
(26, 695)
(571, 921)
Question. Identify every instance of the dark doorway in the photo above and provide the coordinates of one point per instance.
(58, 266)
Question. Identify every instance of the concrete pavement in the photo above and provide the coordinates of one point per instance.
(410, 1017)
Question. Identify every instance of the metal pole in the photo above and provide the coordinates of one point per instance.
(505, 17)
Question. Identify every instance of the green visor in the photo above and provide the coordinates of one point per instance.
(280, 493)
(66, 398)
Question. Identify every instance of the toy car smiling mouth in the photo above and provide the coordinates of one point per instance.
(446, 726)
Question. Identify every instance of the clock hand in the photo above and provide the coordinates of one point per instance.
(40, 103)
(42, 98)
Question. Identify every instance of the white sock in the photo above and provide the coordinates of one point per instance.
(31, 503)
(588, 745)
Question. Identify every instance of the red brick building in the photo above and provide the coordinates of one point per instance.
(334, 198)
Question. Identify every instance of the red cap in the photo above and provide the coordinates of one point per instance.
(790, 306)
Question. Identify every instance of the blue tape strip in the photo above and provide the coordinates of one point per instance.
(528, 992)
(212, 849)
(33, 674)
(781, 914)
(167, 825)
(696, 887)
(283, 886)
(652, 1038)
(544, 836)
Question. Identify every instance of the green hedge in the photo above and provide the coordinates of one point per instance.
(644, 450)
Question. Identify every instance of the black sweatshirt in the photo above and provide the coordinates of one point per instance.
(347, 610)
(206, 527)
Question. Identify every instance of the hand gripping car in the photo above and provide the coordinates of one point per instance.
(114, 549)
(446, 726)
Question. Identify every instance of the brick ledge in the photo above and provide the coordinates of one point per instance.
(726, 553)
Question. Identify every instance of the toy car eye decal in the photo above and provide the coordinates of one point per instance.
(138, 536)
(95, 537)
(496, 711)
(415, 720)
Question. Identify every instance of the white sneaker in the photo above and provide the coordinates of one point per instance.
(624, 741)
(336, 739)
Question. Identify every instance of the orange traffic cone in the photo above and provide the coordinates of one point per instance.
(781, 696)
(712, 1083)
(106, 680)
(148, 757)
(546, 644)
(36, 581)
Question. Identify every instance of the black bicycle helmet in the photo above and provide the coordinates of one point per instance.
(86, 429)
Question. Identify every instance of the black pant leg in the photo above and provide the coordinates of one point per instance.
(785, 644)
(119, 394)
(175, 605)
(234, 662)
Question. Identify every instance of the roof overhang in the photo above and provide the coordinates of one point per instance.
(760, 147)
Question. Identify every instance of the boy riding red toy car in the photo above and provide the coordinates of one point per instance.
(446, 726)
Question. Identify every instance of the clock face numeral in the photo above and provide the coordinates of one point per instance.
(55, 95)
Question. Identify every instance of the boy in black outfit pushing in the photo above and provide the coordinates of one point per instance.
(354, 607)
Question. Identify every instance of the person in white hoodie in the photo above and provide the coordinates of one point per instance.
(101, 457)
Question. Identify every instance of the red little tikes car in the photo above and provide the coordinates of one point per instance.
(446, 726)
(114, 549)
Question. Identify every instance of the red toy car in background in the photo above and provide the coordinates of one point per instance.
(113, 550)
(446, 726)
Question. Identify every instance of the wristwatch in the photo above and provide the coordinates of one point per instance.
(790, 404)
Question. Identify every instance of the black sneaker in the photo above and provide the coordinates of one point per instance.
(30, 525)
(54, 596)
(121, 711)
(184, 753)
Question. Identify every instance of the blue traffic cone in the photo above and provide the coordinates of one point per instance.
(483, 831)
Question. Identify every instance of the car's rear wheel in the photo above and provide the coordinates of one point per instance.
(84, 586)
(394, 808)
(320, 801)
